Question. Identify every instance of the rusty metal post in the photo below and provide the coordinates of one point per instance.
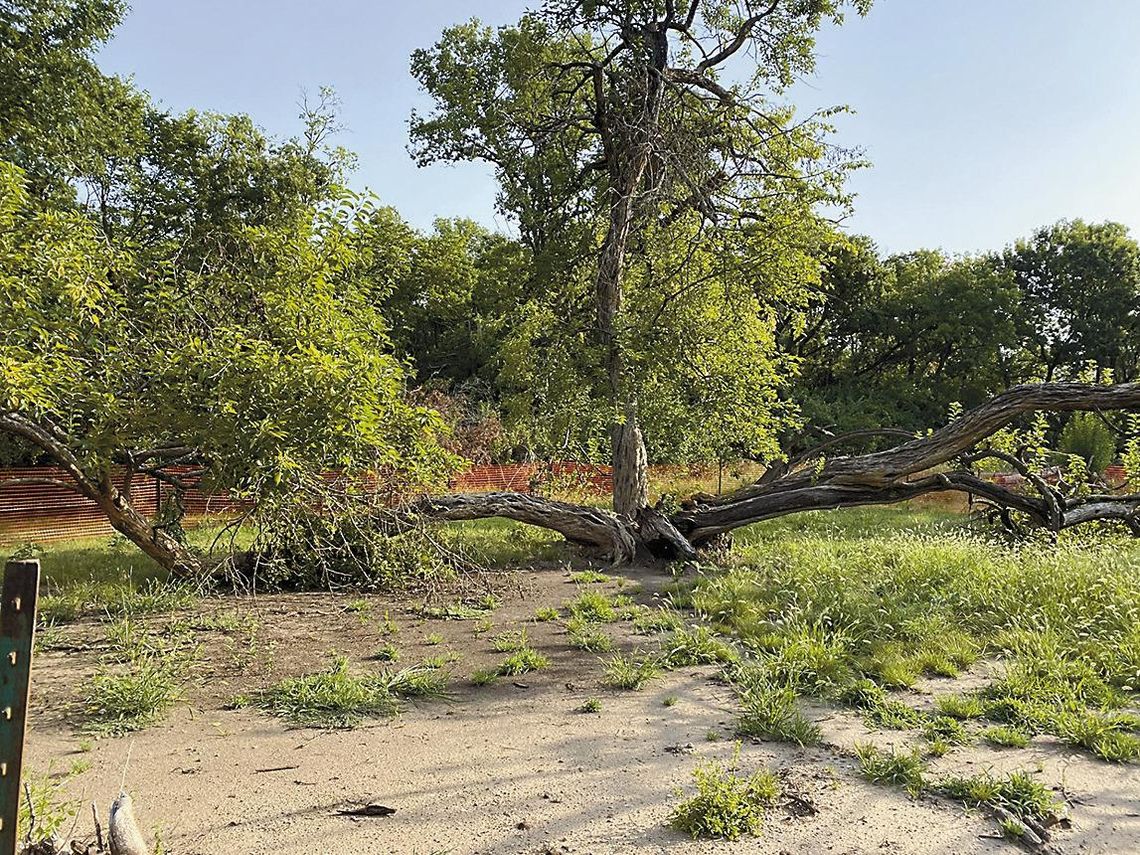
(17, 633)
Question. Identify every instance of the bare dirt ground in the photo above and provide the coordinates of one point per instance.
(507, 768)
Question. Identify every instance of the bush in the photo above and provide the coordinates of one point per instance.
(726, 805)
(1090, 439)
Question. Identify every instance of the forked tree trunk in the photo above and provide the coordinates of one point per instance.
(911, 469)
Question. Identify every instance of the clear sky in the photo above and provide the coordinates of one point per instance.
(982, 118)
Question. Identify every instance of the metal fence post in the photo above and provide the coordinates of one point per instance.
(17, 631)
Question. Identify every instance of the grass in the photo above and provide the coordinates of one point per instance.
(1016, 792)
(510, 641)
(118, 702)
(896, 768)
(386, 652)
(590, 705)
(629, 672)
(590, 577)
(587, 636)
(594, 607)
(522, 661)
(547, 614)
(340, 697)
(849, 604)
(726, 805)
(771, 712)
(698, 645)
(1005, 736)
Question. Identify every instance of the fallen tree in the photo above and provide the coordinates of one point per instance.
(943, 461)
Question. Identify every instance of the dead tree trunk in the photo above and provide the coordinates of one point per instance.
(906, 471)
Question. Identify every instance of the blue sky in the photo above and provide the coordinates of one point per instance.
(982, 118)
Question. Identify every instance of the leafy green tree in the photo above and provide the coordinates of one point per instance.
(1080, 298)
(261, 367)
(611, 138)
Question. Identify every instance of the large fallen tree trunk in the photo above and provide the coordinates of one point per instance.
(908, 470)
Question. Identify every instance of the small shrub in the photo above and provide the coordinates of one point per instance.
(899, 768)
(726, 805)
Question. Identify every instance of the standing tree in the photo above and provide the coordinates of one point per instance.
(620, 120)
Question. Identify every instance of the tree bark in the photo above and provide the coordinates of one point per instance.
(171, 555)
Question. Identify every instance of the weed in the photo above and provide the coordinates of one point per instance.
(649, 621)
(387, 626)
(959, 706)
(590, 705)
(1007, 736)
(629, 672)
(547, 613)
(1017, 792)
(453, 611)
(509, 642)
(726, 805)
(118, 702)
(340, 698)
(879, 709)
(698, 646)
(670, 701)
(588, 637)
(43, 810)
(485, 676)
(386, 652)
(594, 607)
(899, 768)
(483, 627)
(712, 735)
(489, 602)
(589, 577)
(770, 712)
(433, 639)
(946, 730)
(522, 661)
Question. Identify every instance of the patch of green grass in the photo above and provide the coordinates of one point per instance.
(489, 602)
(483, 627)
(590, 705)
(648, 621)
(698, 645)
(944, 729)
(712, 735)
(960, 706)
(589, 637)
(510, 641)
(904, 769)
(341, 698)
(771, 712)
(386, 652)
(594, 607)
(433, 639)
(387, 626)
(120, 701)
(879, 709)
(590, 577)
(1017, 792)
(629, 672)
(726, 805)
(453, 611)
(44, 809)
(669, 701)
(522, 661)
(547, 613)
(1005, 736)
(484, 676)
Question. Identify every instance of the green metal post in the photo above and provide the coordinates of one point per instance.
(17, 631)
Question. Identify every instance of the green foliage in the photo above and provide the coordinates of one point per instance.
(547, 613)
(1005, 736)
(725, 805)
(593, 606)
(697, 645)
(629, 672)
(590, 705)
(118, 701)
(1017, 792)
(1087, 436)
(522, 661)
(342, 698)
(586, 636)
(771, 712)
(898, 768)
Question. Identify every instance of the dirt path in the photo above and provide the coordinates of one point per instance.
(513, 767)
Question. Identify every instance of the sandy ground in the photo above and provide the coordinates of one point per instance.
(509, 768)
